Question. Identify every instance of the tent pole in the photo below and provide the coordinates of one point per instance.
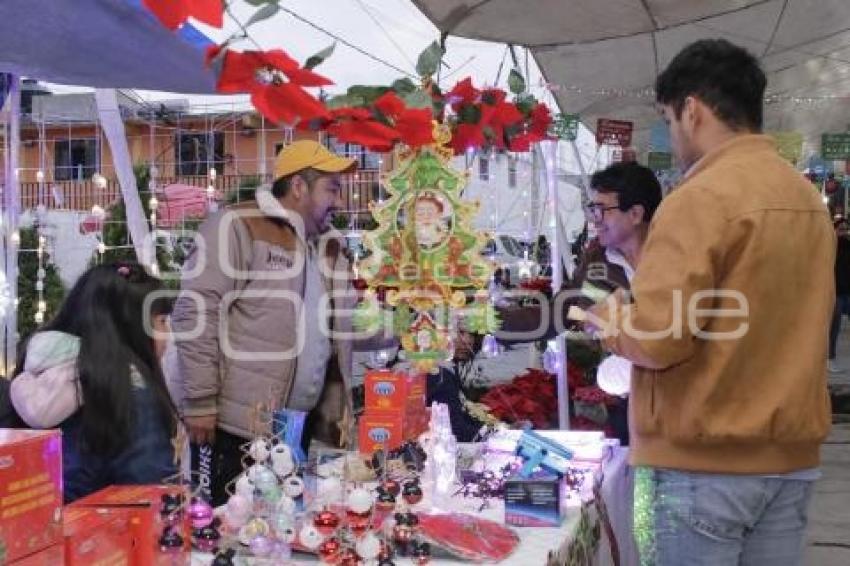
(550, 159)
(11, 207)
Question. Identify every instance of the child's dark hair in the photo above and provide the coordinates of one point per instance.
(110, 309)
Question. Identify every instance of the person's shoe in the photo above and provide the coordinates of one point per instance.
(833, 367)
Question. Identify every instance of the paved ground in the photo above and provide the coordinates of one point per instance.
(829, 517)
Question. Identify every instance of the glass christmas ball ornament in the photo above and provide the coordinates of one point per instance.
(326, 522)
(358, 524)
(282, 462)
(245, 487)
(360, 501)
(329, 550)
(368, 547)
(402, 534)
(281, 552)
(265, 480)
(283, 526)
(286, 505)
(293, 486)
(259, 450)
(170, 542)
(385, 500)
(391, 486)
(224, 558)
(412, 492)
(421, 553)
(252, 529)
(310, 537)
(207, 538)
(261, 546)
(200, 513)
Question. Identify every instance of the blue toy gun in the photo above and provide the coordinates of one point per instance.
(537, 450)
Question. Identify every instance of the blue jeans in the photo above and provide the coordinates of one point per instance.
(684, 518)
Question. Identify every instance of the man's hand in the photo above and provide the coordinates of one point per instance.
(201, 429)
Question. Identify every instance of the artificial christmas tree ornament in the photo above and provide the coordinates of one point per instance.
(293, 486)
(283, 463)
(310, 537)
(261, 546)
(391, 486)
(360, 501)
(385, 500)
(368, 547)
(206, 539)
(224, 558)
(252, 529)
(259, 450)
(329, 550)
(245, 487)
(201, 514)
(412, 492)
(171, 542)
(421, 552)
(426, 251)
(326, 522)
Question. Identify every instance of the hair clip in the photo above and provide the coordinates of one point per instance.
(124, 271)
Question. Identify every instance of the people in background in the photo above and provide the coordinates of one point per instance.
(94, 372)
(842, 290)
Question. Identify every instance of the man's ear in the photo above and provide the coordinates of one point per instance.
(297, 186)
(637, 213)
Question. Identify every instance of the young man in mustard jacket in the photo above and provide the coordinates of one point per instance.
(726, 325)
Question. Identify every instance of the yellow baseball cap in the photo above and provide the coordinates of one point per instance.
(305, 154)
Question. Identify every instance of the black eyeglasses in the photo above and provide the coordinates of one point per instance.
(596, 210)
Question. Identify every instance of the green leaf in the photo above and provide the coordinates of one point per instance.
(263, 13)
(369, 94)
(317, 59)
(516, 83)
(469, 114)
(417, 99)
(260, 2)
(343, 101)
(403, 86)
(429, 60)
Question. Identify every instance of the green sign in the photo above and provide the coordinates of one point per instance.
(835, 146)
(659, 160)
(565, 126)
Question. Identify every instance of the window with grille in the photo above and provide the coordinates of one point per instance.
(74, 159)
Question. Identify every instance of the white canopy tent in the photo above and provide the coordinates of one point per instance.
(603, 57)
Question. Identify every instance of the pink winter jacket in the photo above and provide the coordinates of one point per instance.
(47, 392)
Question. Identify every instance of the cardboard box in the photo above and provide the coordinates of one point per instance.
(380, 429)
(144, 505)
(386, 389)
(30, 492)
(535, 501)
(97, 536)
(50, 556)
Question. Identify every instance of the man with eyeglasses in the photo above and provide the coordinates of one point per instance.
(624, 197)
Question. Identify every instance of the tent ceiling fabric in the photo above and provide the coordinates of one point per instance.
(591, 48)
(98, 43)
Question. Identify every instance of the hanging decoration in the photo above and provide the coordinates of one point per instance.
(427, 254)
(377, 117)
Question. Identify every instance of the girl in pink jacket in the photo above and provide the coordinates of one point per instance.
(94, 372)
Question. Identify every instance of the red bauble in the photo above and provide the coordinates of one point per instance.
(391, 486)
(412, 493)
(358, 524)
(326, 522)
(329, 550)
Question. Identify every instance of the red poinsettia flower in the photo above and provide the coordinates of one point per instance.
(263, 74)
(541, 119)
(173, 13)
(368, 133)
(462, 93)
(415, 126)
(467, 136)
(389, 104)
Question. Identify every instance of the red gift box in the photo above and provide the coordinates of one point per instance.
(386, 389)
(50, 556)
(144, 503)
(97, 536)
(30, 491)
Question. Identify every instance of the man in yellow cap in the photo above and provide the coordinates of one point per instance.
(258, 325)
